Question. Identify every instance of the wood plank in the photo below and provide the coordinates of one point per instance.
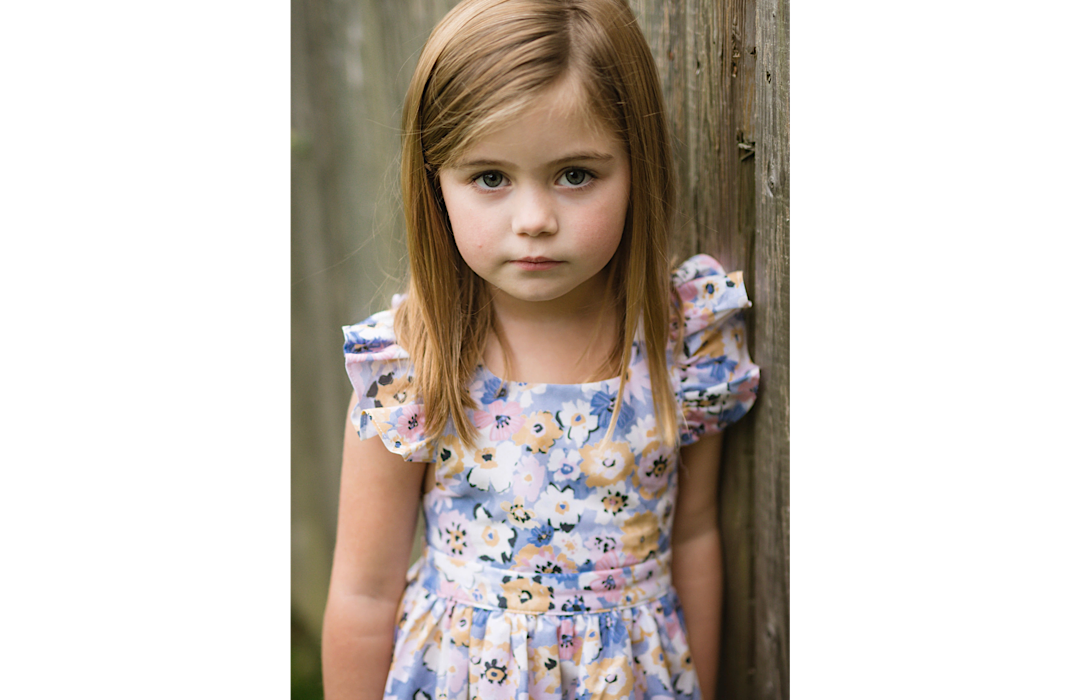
(770, 345)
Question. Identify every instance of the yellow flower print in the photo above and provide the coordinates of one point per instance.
(461, 625)
(630, 595)
(390, 391)
(713, 344)
(544, 560)
(494, 673)
(604, 465)
(641, 535)
(518, 514)
(539, 432)
(614, 502)
(526, 595)
(543, 669)
(451, 456)
(608, 679)
(455, 538)
(485, 458)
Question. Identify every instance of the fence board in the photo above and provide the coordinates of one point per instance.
(770, 328)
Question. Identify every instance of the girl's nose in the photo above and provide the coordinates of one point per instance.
(534, 214)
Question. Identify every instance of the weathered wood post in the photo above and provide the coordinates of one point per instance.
(724, 68)
(770, 334)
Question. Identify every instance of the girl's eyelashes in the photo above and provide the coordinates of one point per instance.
(572, 177)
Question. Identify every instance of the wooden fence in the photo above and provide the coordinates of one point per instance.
(724, 69)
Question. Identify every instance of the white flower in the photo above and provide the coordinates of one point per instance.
(493, 540)
(616, 502)
(561, 506)
(492, 468)
(577, 420)
(564, 465)
(643, 431)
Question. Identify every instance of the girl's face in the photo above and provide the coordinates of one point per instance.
(537, 208)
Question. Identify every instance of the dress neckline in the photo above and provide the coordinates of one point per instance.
(488, 374)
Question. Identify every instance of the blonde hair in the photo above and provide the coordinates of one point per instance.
(481, 65)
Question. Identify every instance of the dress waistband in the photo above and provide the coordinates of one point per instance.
(485, 586)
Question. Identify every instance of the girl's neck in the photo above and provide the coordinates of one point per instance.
(552, 343)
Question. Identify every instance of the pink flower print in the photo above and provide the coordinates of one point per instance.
(453, 533)
(410, 423)
(607, 581)
(447, 589)
(504, 417)
(569, 643)
(746, 389)
(654, 471)
(687, 292)
(529, 477)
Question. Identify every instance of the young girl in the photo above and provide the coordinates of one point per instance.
(542, 388)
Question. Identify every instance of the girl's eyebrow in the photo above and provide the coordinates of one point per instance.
(586, 156)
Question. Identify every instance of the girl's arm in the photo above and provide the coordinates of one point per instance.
(697, 570)
(380, 494)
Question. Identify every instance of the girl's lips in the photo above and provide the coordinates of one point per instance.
(536, 263)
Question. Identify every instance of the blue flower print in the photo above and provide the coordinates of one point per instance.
(603, 406)
(494, 390)
(612, 630)
(575, 604)
(718, 367)
(541, 536)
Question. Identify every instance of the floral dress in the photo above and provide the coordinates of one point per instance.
(547, 567)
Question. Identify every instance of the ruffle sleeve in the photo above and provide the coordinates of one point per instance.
(381, 372)
(715, 379)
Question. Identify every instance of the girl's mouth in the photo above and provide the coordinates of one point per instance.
(536, 264)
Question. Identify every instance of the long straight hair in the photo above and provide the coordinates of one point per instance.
(483, 64)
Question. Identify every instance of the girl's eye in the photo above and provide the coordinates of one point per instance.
(576, 178)
(490, 180)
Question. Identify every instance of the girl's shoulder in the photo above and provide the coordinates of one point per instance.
(715, 378)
